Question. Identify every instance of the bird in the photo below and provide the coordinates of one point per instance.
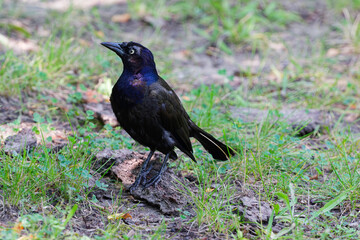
(149, 110)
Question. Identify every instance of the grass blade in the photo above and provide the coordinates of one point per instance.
(330, 205)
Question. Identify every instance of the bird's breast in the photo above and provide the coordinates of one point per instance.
(138, 84)
(130, 93)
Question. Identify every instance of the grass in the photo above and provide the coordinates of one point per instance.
(340, 5)
(35, 175)
(311, 182)
(351, 29)
(224, 21)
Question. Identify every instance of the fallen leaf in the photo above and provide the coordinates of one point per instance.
(182, 55)
(348, 50)
(126, 216)
(186, 98)
(340, 106)
(277, 74)
(277, 46)
(91, 96)
(352, 117)
(117, 216)
(332, 52)
(315, 177)
(121, 18)
(19, 46)
(209, 190)
(99, 34)
(28, 237)
(18, 227)
(84, 43)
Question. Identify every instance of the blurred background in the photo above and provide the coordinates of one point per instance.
(259, 45)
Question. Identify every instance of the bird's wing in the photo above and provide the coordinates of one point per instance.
(173, 116)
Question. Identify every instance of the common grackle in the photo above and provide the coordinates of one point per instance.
(151, 112)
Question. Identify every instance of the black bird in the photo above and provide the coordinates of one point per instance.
(151, 112)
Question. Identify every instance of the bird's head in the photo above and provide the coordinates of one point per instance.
(135, 57)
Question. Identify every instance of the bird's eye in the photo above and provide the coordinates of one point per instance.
(131, 51)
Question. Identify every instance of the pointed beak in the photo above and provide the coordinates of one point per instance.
(113, 47)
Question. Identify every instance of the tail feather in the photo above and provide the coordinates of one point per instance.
(217, 149)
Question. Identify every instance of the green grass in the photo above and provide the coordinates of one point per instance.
(223, 22)
(271, 154)
(306, 180)
(340, 5)
(30, 176)
(63, 57)
(40, 226)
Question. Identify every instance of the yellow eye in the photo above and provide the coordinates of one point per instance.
(131, 51)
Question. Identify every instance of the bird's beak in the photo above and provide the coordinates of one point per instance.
(114, 47)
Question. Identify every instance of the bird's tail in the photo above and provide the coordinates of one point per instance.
(217, 149)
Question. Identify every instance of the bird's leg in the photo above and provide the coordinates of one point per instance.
(157, 177)
(143, 172)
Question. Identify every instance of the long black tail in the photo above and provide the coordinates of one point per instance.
(217, 149)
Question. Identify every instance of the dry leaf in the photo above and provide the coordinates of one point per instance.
(277, 46)
(277, 74)
(84, 43)
(19, 46)
(209, 190)
(18, 227)
(186, 98)
(126, 216)
(332, 52)
(348, 50)
(351, 117)
(99, 34)
(117, 216)
(340, 106)
(352, 106)
(182, 55)
(121, 18)
(91, 96)
(28, 237)
(315, 177)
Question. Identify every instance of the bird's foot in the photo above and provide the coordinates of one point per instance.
(140, 179)
(155, 180)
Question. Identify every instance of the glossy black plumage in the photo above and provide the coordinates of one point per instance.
(150, 111)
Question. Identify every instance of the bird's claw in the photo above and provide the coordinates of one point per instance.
(145, 173)
(141, 179)
(155, 180)
(134, 186)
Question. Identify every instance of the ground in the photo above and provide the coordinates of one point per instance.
(276, 80)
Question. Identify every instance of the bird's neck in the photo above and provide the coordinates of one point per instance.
(146, 74)
(132, 86)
